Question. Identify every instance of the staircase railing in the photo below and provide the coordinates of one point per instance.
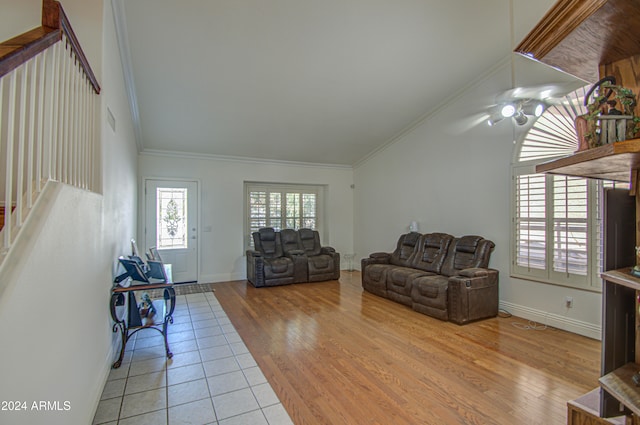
(48, 128)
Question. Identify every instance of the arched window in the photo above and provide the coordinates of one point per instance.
(557, 226)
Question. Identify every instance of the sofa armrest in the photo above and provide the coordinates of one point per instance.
(380, 255)
(474, 296)
(255, 268)
(252, 253)
(329, 250)
(474, 272)
(375, 258)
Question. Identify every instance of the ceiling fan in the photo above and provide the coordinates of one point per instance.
(520, 103)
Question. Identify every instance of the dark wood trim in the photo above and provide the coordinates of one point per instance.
(578, 36)
(75, 45)
(20, 49)
(51, 14)
(560, 20)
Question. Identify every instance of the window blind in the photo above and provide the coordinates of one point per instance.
(531, 240)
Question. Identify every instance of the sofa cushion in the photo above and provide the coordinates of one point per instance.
(322, 267)
(405, 250)
(267, 241)
(374, 279)
(399, 283)
(290, 241)
(432, 252)
(310, 241)
(279, 266)
(429, 296)
(465, 253)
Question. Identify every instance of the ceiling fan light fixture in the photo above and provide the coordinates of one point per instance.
(533, 108)
(508, 110)
(494, 118)
(520, 118)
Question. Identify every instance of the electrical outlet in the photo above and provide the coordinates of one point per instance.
(568, 302)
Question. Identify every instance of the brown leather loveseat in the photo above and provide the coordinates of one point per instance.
(290, 256)
(438, 275)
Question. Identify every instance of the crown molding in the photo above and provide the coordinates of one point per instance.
(241, 159)
(127, 68)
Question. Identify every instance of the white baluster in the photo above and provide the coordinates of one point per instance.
(9, 160)
(42, 98)
(32, 127)
(6, 221)
(20, 142)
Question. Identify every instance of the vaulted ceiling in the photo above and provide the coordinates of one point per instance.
(298, 80)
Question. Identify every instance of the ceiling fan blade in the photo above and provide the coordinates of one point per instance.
(468, 123)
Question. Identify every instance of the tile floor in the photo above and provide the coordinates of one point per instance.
(211, 379)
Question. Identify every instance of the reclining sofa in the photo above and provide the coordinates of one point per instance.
(290, 256)
(438, 275)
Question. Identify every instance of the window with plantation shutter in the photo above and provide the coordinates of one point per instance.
(281, 206)
(557, 220)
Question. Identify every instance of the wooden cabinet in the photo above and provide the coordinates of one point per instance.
(592, 39)
(585, 411)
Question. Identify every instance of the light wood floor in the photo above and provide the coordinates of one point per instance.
(335, 354)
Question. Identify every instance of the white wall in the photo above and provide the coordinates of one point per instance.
(18, 17)
(57, 342)
(222, 204)
(52, 321)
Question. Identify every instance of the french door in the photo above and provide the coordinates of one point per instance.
(171, 225)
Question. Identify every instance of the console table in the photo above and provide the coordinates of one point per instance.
(134, 322)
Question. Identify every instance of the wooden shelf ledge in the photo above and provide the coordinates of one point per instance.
(619, 384)
(622, 277)
(613, 161)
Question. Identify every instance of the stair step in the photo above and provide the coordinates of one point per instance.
(2, 216)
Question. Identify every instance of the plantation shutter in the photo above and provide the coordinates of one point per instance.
(281, 206)
(570, 225)
(531, 241)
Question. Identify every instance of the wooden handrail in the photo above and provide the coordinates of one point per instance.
(20, 49)
(65, 25)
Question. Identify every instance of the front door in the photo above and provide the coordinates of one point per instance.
(171, 225)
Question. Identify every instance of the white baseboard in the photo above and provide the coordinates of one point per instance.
(103, 373)
(579, 327)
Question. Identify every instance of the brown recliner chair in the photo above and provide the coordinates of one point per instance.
(323, 262)
(267, 265)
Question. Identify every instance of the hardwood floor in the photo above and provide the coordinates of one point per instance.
(335, 354)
